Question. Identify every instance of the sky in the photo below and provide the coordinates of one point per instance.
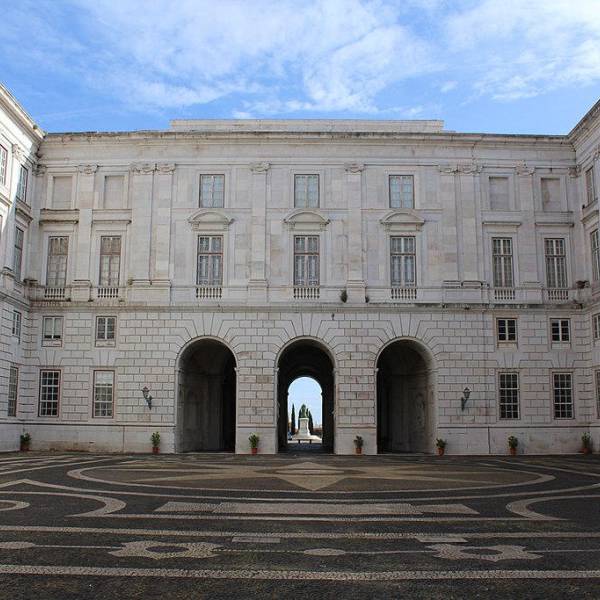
(505, 66)
(306, 390)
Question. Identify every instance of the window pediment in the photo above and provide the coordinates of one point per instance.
(210, 220)
(307, 220)
(402, 220)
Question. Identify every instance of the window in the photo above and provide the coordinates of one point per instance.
(22, 184)
(509, 395)
(16, 324)
(596, 326)
(49, 393)
(209, 269)
(103, 393)
(502, 262)
(560, 330)
(105, 329)
(597, 386)
(18, 255)
(499, 198)
(556, 263)
(13, 387)
(52, 329)
(595, 245)
(563, 395)
(306, 260)
(402, 191)
(110, 261)
(590, 186)
(113, 191)
(306, 191)
(62, 188)
(550, 193)
(506, 330)
(56, 273)
(3, 164)
(212, 191)
(403, 268)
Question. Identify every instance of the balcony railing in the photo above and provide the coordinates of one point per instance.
(307, 292)
(209, 292)
(107, 292)
(404, 294)
(504, 294)
(54, 293)
(557, 295)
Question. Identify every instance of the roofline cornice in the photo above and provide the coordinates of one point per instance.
(10, 104)
(589, 122)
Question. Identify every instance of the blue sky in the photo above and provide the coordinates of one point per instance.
(306, 390)
(513, 66)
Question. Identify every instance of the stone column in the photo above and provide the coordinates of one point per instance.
(355, 285)
(257, 284)
(142, 184)
(82, 252)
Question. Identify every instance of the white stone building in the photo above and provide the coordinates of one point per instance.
(213, 263)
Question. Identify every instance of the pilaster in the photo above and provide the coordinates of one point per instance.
(355, 285)
(257, 284)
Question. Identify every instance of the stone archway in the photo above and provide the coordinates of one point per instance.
(405, 398)
(206, 398)
(306, 358)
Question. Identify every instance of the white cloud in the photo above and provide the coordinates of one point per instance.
(448, 86)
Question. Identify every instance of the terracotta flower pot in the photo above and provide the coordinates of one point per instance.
(586, 450)
(154, 449)
(358, 450)
(24, 447)
(513, 451)
(254, 450)
(441, 451)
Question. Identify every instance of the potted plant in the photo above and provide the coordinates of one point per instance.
(586, 443)
(155, 438)
(358, 444)
(25, 441)
(344, 296)
(513, 442)
(254, 439)
(441, 446)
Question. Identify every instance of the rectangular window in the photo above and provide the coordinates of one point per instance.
(103, 393)
(509, 395)
(506, 330)
(590, 186)
(49, 393)
(306, 191)
(595, 245)
(560, 330)
(52, 328)
(113, 191)
(596, 326)
(502, 262)
(110, 261)
(499, 197)
(56, 273)
(13, 389)
(402, 191)
(597, 387)
(209, 269)
(556, 263)
(18, 255)
(105, 329)
(550, 193)
(3, 164)
(403, 261)
(16, 324)
(22, 184)
(62, 188)
(306, 260)
(563, 395)
(212, 191)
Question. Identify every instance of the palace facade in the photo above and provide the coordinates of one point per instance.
(436, 284)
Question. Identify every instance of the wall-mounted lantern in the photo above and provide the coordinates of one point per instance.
(147, 396)
(465, 397)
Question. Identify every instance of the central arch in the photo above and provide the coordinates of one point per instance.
(405, 398)
(306, 358)
(206, 392)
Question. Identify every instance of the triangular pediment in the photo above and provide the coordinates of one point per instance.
(402, 220)
(306, 219)
(209, 220)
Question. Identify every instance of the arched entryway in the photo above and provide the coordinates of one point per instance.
(206, 397)
(305, 358)
(405, 392)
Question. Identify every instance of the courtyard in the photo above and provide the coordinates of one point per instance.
(225, 525)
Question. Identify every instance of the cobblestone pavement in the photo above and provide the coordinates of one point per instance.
(219, 526)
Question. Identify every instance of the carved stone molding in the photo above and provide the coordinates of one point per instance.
(165, 168)
(448, 169)
(305, 219)
(402, 220)
(596, 155)
(354, 167)
(260, 167)
(87, 169)
(468, 168)
(39, 170)
(524, 169)
(208, 220)
(575, 171)
(142, 168)
(18, 152)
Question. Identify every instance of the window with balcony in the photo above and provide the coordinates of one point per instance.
(306, 266)
(306, 191)
(212, 191)
(502, 267)
(590, 186)
(49, 393)
(209, 266)
(560, 330)
(22, 184)
(104, 383)
(18, 253)
(596, 326)
(508, 386)
(563, 395)
(595, 246)
(52, 331)
(110, 265)
(597, 392)
(3, 165)
(403, 267)
(16, 324)
(402, 191)
(13, 390)
(556, 269)
(506, 330)
(56, 270)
